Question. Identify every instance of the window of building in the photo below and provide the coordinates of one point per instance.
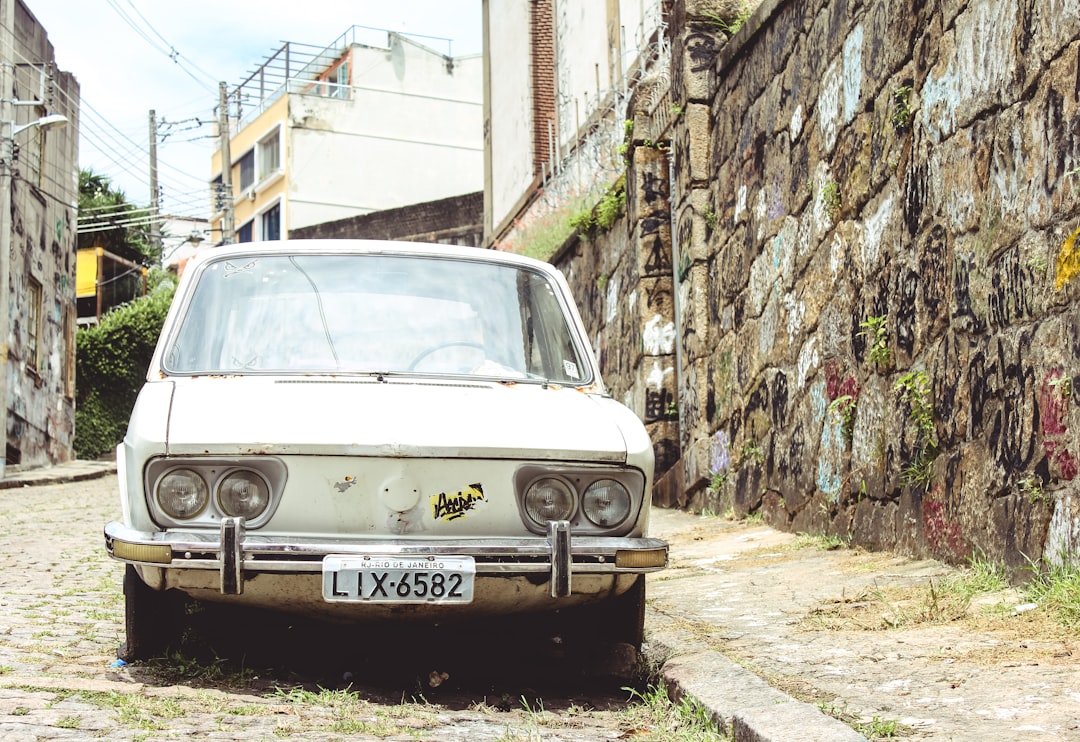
(247, 170)
(269, 155)
(245, 232)
(270, 229)
(33, 325)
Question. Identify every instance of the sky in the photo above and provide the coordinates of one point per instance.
(131, 56)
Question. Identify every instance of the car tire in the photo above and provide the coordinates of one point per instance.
(626, 615)
(151, 619)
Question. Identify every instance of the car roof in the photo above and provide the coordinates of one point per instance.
(361, 247)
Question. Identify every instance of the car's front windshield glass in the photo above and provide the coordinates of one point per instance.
(333, 313)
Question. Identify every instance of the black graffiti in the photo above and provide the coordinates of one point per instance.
(452, 507)
(1011, 294)
(779, 400)
(964, 311)
(659, 405)
(935, 277)
(1003, 399)
(654, 188)
(702, 49)
(659, 261)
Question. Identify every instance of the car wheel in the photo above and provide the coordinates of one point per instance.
(626, 615)
(151, 619)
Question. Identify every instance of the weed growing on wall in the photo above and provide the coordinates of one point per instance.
(842, 410)
(901, 116)
(601, 217)
(875, 330)
(914, 390)
(831, 199)
(730, 26)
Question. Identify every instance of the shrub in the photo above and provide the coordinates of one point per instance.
(110, 367)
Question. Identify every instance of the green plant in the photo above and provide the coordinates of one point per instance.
(1056, 588)
(901, 117)
(602, 216)
(731, 26)
(914, 390)
(751, 451)
(718, 479)
(878, 728)
(711, 219)
(875, 329)
(601, 282)
(1031, 487)
(820, 542)
(1063, 384)
(676, 110)
(831, 199)
(610, 207)
(111, 359)
(842, 409)
(655, 716)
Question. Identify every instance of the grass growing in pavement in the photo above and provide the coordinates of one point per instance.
(1056, 589)
(875, 728)
(656, 716)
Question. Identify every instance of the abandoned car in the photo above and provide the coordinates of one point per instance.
(361, 431)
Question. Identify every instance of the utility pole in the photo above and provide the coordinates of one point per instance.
(228, 223)
(7, 150)
(155, 204)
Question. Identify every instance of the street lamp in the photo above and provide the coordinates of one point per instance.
(52, 121)
(8, 130)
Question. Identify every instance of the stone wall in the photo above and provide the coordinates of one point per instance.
(875, 210)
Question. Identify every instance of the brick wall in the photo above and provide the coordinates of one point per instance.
(458, 220)
(543, 80)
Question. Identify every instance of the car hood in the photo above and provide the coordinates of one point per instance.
(397, 417)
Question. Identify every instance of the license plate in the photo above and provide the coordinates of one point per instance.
(379, 579)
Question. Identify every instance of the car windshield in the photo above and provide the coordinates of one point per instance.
(333, 313)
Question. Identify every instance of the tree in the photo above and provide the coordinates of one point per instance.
(111, 357)
(107, 219)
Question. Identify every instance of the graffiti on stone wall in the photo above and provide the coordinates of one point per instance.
(1055, 394)
(941, 532)
(1068, 261)
(1001, 382)
(659, 399)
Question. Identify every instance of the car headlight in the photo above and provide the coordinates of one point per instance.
(606, 503)
(243, 494)
(549, 499)
(182, 493)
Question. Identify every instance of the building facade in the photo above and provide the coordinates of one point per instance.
(39, 174)
(347, 130)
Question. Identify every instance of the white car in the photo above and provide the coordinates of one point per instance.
(365, 431)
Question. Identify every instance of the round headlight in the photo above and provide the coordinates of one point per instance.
(606, 503)
(182, 494)
(243, 494)
(549, 499)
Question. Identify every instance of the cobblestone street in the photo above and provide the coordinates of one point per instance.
(61, 621)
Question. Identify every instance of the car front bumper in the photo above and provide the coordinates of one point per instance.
(238, 556)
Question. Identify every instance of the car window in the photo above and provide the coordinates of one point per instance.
(371, 314)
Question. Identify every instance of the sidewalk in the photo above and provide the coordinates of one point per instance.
(71, 471)
(766, 629)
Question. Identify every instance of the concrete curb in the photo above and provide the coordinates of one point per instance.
(739, 702)
(71, 471)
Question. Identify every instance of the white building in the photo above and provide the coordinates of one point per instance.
(322, 134)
